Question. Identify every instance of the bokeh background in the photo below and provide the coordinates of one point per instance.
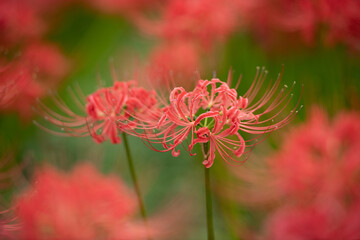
(318, 46)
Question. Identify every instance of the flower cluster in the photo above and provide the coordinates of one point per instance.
(213, 114)
(124, 101)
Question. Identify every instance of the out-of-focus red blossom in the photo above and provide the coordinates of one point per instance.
(80, 205)
(8, 225)
(269, 19)
(18, 22)
(325, 156)
(214, 114)
(84, 204)
(276, 21)
(124, 101)
(174, 63)
(325, 221)
(38, 68)
(342, 20)
(202, 21)
(123, 6)
(314, 180)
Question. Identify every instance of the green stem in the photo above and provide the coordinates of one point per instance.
(133, 177)
(209, 213)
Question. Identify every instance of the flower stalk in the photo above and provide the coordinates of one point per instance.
(133, 177)
(209, 213)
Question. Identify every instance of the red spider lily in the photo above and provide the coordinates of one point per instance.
(214, 113)
(124, 101)
(201, 21)
(41, 66)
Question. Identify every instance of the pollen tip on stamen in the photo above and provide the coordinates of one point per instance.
(286, 86)
(294, 83)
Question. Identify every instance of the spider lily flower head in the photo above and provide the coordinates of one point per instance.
(214, 114)
(124, 101)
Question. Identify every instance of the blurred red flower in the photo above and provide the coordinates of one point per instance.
(84, 204)
(19, 22)
(40, 67)
(103, 110)
(79, 205)
(174, 63)
(312, 182)
(203, 22)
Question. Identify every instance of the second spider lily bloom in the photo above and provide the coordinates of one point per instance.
(102, 110)
(214, 114)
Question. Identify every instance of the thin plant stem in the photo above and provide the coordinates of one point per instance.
(209, 213)
(134, 179)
